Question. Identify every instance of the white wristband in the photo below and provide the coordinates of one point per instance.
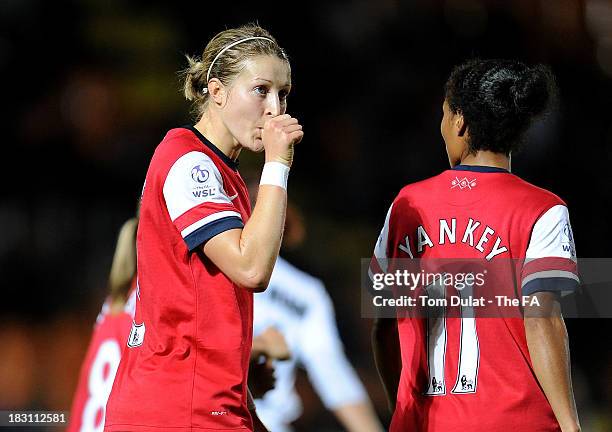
(275, 173)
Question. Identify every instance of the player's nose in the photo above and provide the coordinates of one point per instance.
(273, 105)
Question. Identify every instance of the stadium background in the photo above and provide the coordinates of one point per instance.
(90, 88)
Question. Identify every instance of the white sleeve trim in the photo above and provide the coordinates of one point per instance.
(552, 236)
(550, 274)
(208, 219)
(380, 250)
(192, 180)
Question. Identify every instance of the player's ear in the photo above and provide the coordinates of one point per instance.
(217, 91)
(460, 125)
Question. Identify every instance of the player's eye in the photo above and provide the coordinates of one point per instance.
(261, 90)
(283, 94)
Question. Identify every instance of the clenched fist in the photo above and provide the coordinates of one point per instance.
(279, 135)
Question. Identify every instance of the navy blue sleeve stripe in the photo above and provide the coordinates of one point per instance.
(555, 284)
(208, 231)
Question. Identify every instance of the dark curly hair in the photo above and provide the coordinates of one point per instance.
(499, 99)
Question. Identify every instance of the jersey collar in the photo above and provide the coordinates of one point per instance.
(480, 168)
(233, 164)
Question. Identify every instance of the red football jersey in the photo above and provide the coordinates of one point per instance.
(99, 368)
(186, 362)
(475, 374)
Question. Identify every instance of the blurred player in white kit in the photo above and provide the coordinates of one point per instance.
(298, 307)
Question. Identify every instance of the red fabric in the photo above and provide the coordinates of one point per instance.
(507, 395)
(190, 373)
(88, 404)
(199, 212)
(549, 263)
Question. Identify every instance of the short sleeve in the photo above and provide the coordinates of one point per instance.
(196, 200)
(378, 264)
(550, 259)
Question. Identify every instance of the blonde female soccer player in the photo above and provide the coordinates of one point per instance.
(201, 253)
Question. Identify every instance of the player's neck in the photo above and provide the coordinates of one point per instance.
(487, 158)
(215, 131)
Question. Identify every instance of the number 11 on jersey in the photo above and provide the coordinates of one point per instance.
(469, 350)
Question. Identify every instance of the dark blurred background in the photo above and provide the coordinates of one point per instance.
(90, 88)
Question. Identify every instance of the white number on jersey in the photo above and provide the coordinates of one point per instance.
(469, 351)
(99, 386)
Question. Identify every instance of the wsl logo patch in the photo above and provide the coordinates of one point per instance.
(204, 192)
(567, 232)
(199, 174)
(567, 242)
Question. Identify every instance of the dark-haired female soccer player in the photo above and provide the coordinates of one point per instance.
(483, 374)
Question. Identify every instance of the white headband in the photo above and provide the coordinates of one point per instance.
(205, 89)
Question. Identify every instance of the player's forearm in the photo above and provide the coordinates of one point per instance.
(385, 344)
(549, 350)
(247, 256)
(358, 417)
(261, 237)
(259, 347)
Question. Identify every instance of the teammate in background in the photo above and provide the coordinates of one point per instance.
(493, 374)
(201, 253)
(296, 313)
(109, 336)
(268, 347)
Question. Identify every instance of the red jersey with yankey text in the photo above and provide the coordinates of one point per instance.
(475, 374)
(186, 362)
